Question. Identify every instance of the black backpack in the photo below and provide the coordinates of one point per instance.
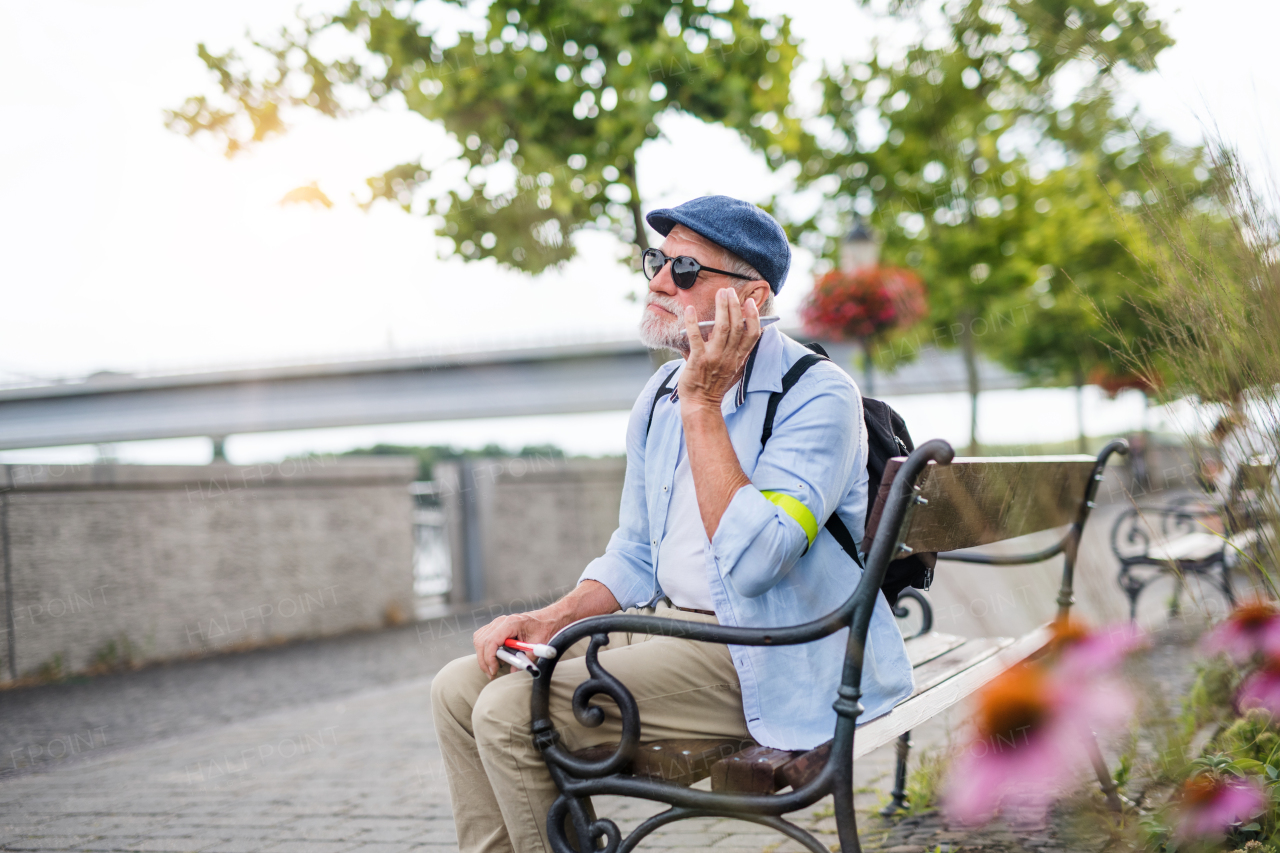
(887, 437)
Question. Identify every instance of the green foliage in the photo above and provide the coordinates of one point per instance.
(1237, 745)
(1005, 202)
(1251, 742)
(1212, 695)
(1217, 336)
(925, 781)
(428, 455)
(115, 655)
(53, 669)
(559, 93)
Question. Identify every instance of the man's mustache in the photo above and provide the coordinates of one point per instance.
(666, 303)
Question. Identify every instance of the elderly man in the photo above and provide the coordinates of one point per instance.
(713, 528)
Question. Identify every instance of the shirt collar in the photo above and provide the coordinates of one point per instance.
(764, 368)
(766, 373)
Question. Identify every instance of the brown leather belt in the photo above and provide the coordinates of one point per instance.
(694, 610)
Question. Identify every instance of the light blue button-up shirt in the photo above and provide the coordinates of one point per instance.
(761, 566)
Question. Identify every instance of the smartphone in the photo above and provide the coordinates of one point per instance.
(707, 325)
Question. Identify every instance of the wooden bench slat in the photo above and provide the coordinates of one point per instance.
(918, 709)
(752, 771)
(1253, 476)
(1190, 546)
(929, 675)
(975, 502)
(747, 774)
(763, 770)
(934, 675)
(796, 773)
(928, 646)
(680, 761)
(946, 668)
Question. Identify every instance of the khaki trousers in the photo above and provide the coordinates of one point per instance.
(500, 787)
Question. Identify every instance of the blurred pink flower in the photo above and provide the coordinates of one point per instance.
(1251, 628)
(1210, 804)
(1030, 739)
(1262, 689)
(1090, 654)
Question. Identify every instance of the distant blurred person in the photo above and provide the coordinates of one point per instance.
(712, 529)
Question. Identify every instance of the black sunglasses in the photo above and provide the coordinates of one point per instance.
(684, 269)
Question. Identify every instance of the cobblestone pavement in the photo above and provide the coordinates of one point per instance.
(134, 708)
(361, 772)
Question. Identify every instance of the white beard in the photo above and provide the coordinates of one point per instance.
(657, 332)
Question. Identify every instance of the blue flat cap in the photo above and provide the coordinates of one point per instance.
(736, 225)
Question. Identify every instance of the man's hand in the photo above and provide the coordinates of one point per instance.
(589, 598)
(537, 626)
(710, 371)
(713, 365)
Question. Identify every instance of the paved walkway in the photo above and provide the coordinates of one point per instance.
(362, 773)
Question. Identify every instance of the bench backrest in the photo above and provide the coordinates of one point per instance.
(977, 501)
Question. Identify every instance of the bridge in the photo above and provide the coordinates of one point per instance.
(535, 380)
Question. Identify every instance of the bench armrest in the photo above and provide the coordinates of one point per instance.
(1005, 559)
(600, 681)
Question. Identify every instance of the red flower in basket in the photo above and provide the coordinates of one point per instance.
(864, 303)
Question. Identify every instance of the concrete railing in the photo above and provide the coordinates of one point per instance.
(112, 565)
(521, 530)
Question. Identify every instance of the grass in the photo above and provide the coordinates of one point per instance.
(924, 781)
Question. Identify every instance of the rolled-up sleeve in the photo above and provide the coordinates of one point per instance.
(804, 472)
(626, 567)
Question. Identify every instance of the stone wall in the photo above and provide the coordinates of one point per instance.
(108, 565)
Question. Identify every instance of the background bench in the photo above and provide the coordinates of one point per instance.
(1194, 536)
(926, 502)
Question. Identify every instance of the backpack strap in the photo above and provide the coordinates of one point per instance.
(834, 525)
(663, 390)
(789, 380)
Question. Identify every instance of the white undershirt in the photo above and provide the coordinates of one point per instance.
(682, 554)
(682, 562)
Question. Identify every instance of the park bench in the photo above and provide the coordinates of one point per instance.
(1193, 536)
(926, 502)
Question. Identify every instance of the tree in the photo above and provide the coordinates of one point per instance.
(1091, 300)
(960, 156)
(550, 100)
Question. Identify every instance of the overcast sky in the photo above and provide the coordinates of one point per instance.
(124, 246)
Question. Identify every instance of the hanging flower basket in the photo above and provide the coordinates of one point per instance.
(863, 304)
(1113, 383)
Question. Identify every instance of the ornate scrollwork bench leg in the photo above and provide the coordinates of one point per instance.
(599, 682)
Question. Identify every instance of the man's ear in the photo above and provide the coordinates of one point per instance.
(757, 290)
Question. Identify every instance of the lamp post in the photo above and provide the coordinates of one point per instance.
(860, 248)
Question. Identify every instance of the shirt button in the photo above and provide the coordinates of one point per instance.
(664, 488)
(655, 542)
